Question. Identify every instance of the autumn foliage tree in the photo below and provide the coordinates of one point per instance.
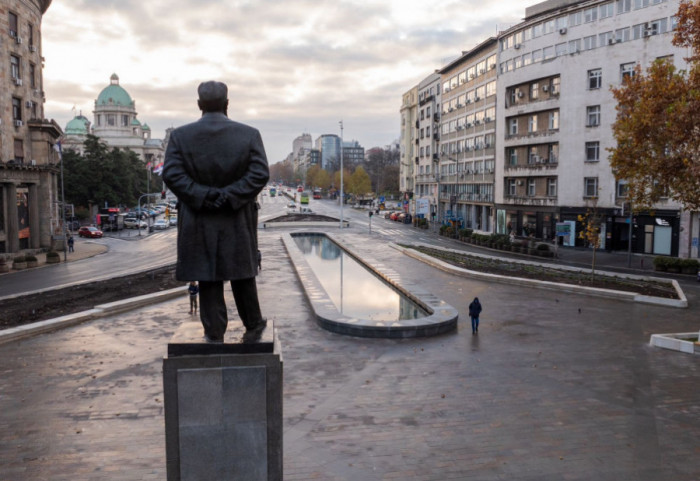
(658, 126)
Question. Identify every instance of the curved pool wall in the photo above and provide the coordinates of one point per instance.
(440, 317)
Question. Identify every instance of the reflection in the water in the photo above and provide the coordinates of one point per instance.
(355, 290)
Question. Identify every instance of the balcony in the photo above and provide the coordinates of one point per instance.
(531, 201)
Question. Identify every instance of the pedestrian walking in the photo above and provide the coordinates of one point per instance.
(259, 260)
(193, 289)
(474, 311)
(71, 243)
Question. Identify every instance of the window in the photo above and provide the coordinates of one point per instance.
(622, 188)
(32, 75)
(552, 187)
(511, 187)
(527, 59)
(16, 108)
(491, 88)
(607, 10)
(624, 6)
(626, 70)
(532, 157)
(534, 91)
(19, 151)
(111, 120)
(491, 61)
(99, 120)
(640, 4)
(427, 131)
(590, 187)
(562, 22)
(556, 86)
(548, 52)
(576, 18)
(606, 38)
(531, 187)
(592, 151)
(536, 56)
(427, 111)
(554, 120)
(536, 30)
(513, 126)
(14, 28)
(595, 78)
(575, 46)
(532, 123)
(15, 72)
(590, 15)
(30, 30)
(589, 43)
(548, 26)
(553, 153)
(512, 156)
(34, 111)
(622, 34)
(593, 116)
(125, 121)
(561, 49)
(462, 77)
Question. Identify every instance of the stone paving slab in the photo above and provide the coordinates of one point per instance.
(556, 386)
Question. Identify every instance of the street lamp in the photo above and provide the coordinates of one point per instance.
(342, 195)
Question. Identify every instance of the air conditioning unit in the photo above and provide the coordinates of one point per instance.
(520, 94)
(18, 81)
(487, 119)
(18, 123)
(471, 76)
(469, 124)
(477, 122)
(516, 46)
(19, 40)
(459, 106)
(545, 88)
(32, 48)
(451, 109)
(493, 66)
(469, 101)
(476, 99)
(562, 31)
(459, 127)
(611, 41)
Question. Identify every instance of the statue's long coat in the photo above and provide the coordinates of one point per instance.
(216, 152)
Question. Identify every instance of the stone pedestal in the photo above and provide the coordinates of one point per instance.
(223, 406)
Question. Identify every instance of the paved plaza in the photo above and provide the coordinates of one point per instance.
(555, 387)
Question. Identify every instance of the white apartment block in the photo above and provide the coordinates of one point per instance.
(427, 141)
(555, 73)
(466, 160)
(548, 145)
(408, 135)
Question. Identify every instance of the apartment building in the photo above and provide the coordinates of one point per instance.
(427, 141)
(555, 73)
(29, 165)
(466, 158)
(409, 126)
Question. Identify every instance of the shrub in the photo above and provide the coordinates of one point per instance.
(19, 259)
(660, 262)
(52, 254)
(543, 247)
(689, 264)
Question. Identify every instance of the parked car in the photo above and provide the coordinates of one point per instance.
(160, 224)
(89, 231)
(173, 220)
(134, 223)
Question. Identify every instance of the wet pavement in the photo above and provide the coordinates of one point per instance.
(555, 387)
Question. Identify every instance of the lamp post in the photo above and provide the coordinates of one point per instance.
(342, 194)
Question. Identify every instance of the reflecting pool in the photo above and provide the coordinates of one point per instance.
(355, 290)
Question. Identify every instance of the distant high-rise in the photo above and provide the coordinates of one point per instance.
(329, 146)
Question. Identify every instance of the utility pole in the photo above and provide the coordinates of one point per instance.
(342, 194)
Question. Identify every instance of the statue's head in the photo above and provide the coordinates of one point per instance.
(213, 97)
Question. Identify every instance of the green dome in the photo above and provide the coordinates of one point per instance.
(77, 126)
(115, 95)
(146, 127)
(136, 122)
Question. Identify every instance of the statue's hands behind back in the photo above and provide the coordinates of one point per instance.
(215, 199)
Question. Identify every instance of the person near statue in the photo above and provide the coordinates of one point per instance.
(216, 167)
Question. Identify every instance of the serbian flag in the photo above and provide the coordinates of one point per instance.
(148, 166)
(158, 169)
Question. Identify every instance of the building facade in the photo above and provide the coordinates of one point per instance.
(408, 143)
(353, 153)
(466, 160)
(329, 146)
(29, 164)
(116, 124)
(426, 147)
(541, 159)
(555, 73)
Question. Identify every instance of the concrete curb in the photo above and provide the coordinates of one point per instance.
(677, 342)
(103, 310)
(267, 225)
(681, 302)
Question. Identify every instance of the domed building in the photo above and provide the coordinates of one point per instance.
(116, 124)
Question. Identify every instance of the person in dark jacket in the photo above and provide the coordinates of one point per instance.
(193, 289)
(474, 311)
(216, 167)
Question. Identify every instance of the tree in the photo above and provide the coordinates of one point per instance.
(657, 127)
(360, 183)
(323, 179)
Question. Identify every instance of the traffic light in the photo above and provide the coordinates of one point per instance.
(162, 195)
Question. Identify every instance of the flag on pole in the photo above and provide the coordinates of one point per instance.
(57, 148)
(158, 169)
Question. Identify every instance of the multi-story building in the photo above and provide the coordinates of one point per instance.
(427, 140)
(408, 142)
(467, 136)
(555, 73)
(116, 124)
(353, 153)
(329, 146)
(29, 164)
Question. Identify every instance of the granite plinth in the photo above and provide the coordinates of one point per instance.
(223, 410)
(188, 340)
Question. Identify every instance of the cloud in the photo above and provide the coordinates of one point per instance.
(291, 66)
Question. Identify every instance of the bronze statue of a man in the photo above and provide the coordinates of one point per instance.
(216, 167)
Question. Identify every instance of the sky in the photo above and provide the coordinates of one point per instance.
(292, 66)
